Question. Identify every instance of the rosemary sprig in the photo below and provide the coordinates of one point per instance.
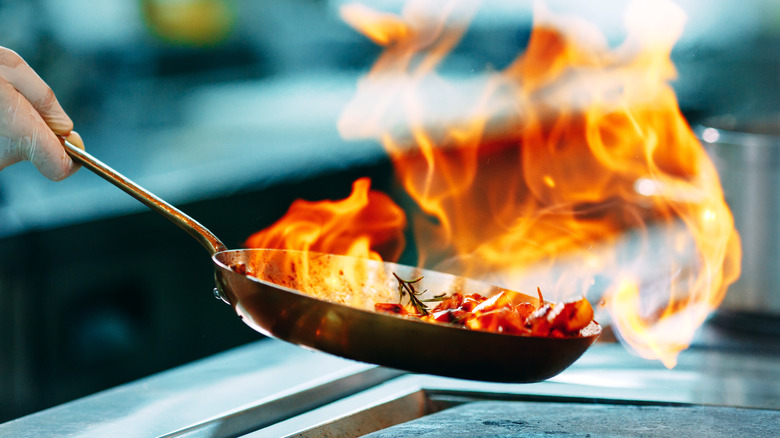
(436, 298)
(407, 287)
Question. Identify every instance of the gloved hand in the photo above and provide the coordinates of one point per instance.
(31, 120)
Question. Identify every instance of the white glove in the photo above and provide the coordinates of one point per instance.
(31, 120)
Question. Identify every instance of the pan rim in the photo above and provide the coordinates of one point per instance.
(592, 330)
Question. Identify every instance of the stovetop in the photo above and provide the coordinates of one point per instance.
(544, 419)
(270, 388)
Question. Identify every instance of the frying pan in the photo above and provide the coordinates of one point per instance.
(335, 315)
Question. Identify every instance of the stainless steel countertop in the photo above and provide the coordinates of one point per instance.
(172, 400)
(275, 389)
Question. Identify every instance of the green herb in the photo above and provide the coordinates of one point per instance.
(436, 298)
(406, 287)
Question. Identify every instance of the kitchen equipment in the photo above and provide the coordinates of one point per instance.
(274, 389)
(746, 152)
(363, 335)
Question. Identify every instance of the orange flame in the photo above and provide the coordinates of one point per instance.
(572, 169)
(367, 224)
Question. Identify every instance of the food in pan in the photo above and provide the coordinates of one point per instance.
(498, 310)
(505, 312)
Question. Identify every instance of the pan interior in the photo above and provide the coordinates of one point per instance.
(356, 282)
(320, 303)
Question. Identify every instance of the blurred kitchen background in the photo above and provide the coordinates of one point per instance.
(228, 109)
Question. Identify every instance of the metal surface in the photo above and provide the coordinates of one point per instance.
(261, 383)
(607, 376)
(746, 153)
(541, 419)
(273, 389)
(389, 340)
(353, 333)
(191, 226)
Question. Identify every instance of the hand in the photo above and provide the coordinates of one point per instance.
(32, 122)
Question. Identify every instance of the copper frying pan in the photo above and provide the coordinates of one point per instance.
(270, 301)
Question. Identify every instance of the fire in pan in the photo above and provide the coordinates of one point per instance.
(325, 302)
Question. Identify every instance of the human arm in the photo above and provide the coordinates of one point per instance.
(32, 122)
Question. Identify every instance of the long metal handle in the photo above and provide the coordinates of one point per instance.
(192, 227)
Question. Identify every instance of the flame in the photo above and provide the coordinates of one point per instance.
(367, 224)
(572, 169)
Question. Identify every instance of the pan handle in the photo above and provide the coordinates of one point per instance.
(206, 238)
